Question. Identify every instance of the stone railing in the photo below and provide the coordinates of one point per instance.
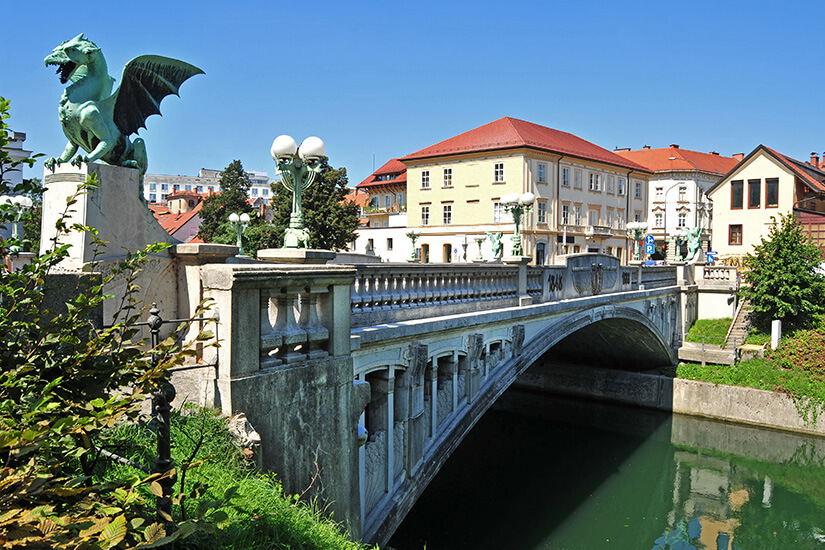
(385, 293)
(716, 275)
(658, 276)
(280, 315)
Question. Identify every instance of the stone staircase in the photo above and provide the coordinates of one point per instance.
(740, 327)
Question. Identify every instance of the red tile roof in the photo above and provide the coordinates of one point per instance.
(658, 160)
(508, 133)
(173, 222)
(360, 199)
(811, 175)
(393, 167)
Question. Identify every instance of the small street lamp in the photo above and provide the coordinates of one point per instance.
(479, 240)
(298, 167)
(19, 205)
(239, 224)
(518, 205)
(636, 231)
(413, 236)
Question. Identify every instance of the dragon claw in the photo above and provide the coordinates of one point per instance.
(79, 159)
(51, 163)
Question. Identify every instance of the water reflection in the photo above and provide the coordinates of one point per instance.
(541, 472)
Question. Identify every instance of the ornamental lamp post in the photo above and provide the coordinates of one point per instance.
(19, 205)
(518, 205)
(636, 231)
(413, 236)
(239, 224)
(298, 167)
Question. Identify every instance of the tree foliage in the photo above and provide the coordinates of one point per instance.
(65, 381)
(331, 223)
(782, 277)
(215, 226)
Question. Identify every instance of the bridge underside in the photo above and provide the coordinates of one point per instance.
(612, 343)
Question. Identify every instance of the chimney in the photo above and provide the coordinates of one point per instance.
(674, 145)
(739, 157)
(622, 149)
(714, 153)
(815, 159)
(646, 147)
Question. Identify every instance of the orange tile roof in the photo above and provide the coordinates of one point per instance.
(173, 222)
(508, 133)
(658, 160)
(360, 199)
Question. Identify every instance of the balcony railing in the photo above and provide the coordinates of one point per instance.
(598, 231)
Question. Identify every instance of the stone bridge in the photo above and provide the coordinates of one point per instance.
(415, 354)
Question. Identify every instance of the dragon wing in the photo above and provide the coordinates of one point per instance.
(146, 81)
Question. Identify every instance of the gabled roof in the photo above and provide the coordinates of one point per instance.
(508, 133)
(658, 160)
(392, 168)
(811, 175)
(173, 222)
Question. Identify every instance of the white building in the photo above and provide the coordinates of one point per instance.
(678, 189)
(16, 152)
(156, 187)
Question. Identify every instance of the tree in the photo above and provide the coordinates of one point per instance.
(330, 221)
(782, 277)
(215, 226)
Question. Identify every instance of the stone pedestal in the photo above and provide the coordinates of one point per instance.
(295, 255)
(521, 261)
(115, 208)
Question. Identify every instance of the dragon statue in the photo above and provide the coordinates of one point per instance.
(100, 121)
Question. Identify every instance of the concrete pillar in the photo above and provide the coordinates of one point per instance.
(417, 361)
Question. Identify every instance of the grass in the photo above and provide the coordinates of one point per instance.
(261, 516)
(714, 331)
(796, 368)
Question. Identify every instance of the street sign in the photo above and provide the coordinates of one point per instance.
(649, 249)
(649, 239)
(710, 255)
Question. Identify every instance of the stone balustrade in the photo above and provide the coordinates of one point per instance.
(716, 275)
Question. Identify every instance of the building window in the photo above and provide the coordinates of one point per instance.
(200, 188)
(176, 188)
(498, 172)
(542, 212)
(425, 253)
(658, 220)
(425, 179)
(448, 253)
(448, 177)
(565, 177)
(772, 192)
(497, 210)
(577, 179)
(152, 197)
(577, 215)
(211, 189)
(187, 187)
(387, 200)
(153, 187)
(389, 244)
(659, 194)
(425, 215)
(265, 192)
(163, 196)
(565, 214)
(682, 219)
(593, 216)
(638, 190)
(610, 184)
(447, 214)
(164, 187)
(370, 245)
(754, 193)
(610, 218)
(542, 173)
(254, 191)
(622, 186)
(735, 234)
(737, 194)
(620, 220)
(595, 182)
(682, 194)
(637, 217)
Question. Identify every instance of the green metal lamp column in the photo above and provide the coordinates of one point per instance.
(298, 168)
(518, 205)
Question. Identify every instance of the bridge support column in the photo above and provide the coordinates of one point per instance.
(417, 429)
(472, 383)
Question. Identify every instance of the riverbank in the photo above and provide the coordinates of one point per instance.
(757, 407)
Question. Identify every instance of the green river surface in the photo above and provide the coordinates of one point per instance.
(546, 472)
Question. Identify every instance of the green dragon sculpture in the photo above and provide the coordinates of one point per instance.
(99, 121)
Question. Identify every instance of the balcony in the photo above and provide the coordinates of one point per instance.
(598, 231)
(392, 209)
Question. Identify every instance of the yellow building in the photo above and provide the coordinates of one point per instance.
(585, 195)
(762, 186)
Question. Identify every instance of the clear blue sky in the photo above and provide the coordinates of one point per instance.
(377, 80)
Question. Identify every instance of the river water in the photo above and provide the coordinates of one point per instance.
(545, 472)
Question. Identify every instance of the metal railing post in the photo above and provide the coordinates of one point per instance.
(161, 406)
